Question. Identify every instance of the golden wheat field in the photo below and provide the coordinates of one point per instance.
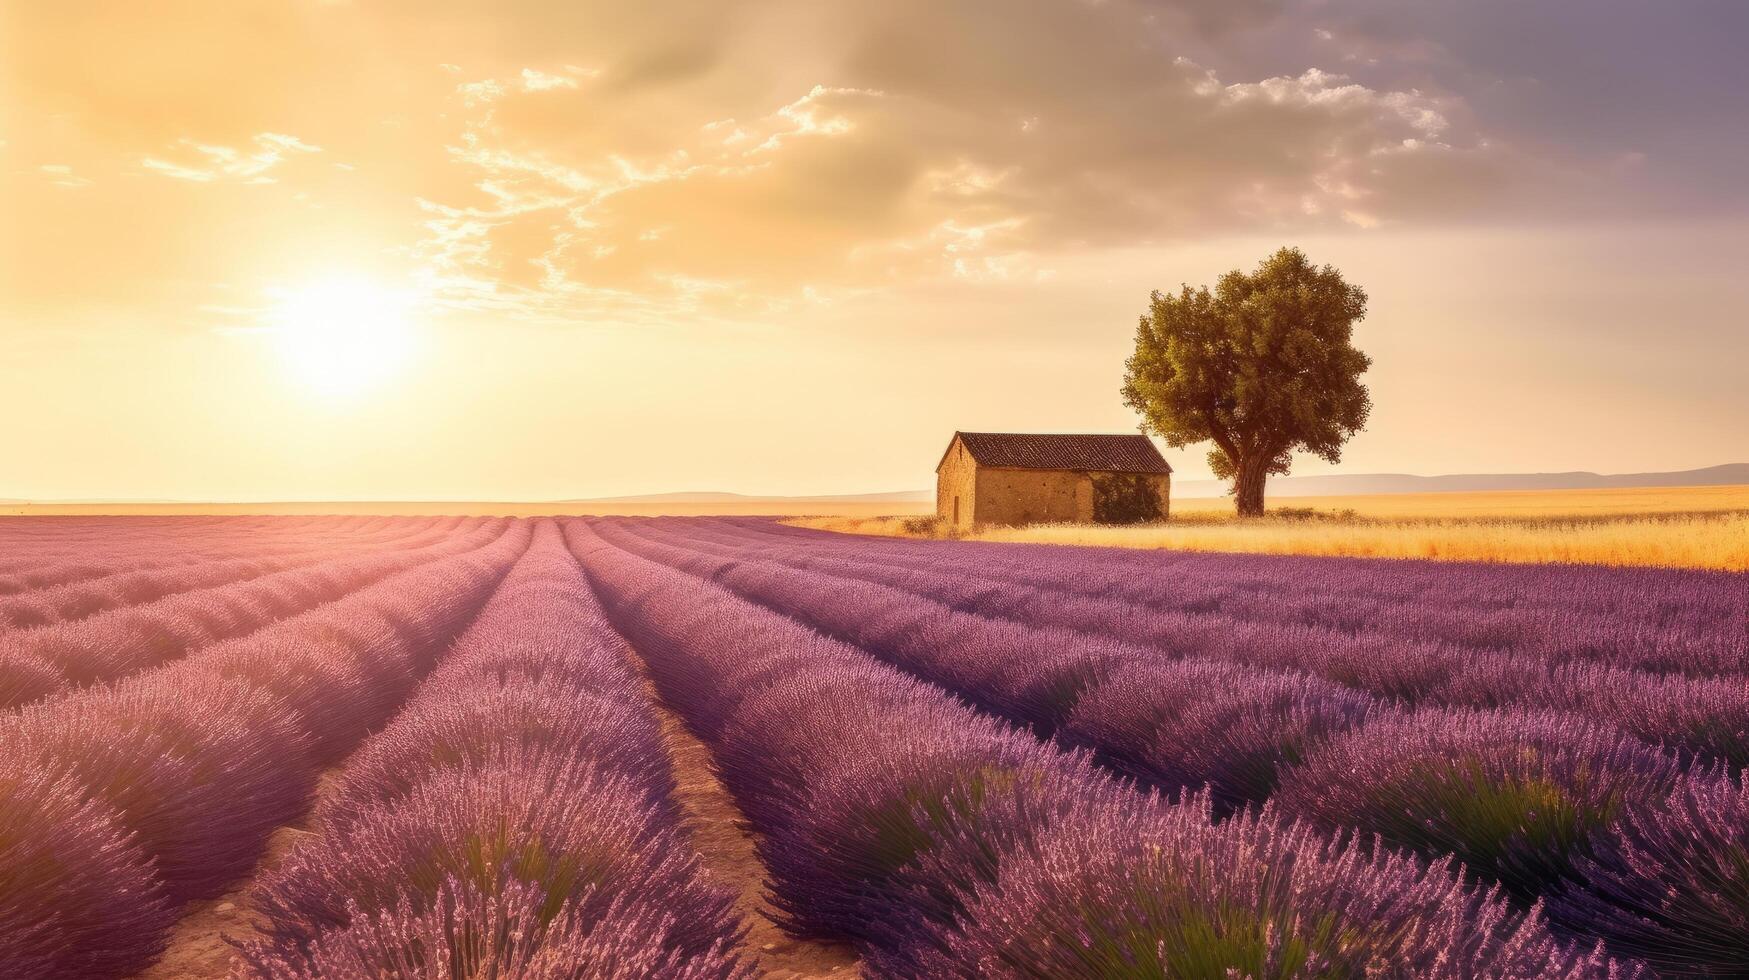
(1676, 527)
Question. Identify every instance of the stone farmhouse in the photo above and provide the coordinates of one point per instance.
(1013, 478)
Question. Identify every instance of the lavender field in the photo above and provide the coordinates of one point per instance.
(350, 747)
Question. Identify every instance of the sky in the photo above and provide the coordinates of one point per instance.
(305, 249)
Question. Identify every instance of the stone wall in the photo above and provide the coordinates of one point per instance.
(956, 480)
(1033, 496)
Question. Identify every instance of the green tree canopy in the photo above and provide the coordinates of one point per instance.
(1263, 367)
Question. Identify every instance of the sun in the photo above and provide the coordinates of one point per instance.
(342, 336)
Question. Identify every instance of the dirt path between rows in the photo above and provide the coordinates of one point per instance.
(726, 848)
(198, 950)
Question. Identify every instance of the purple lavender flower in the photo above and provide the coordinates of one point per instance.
(864, 853)
(1516, 796)
(467, 932)
(458, 727)
(26, 677)
(77, 898)
(324, 684)
(1671, 884)
(1705, 719)
(1141, 893)
(200, 769)
(583, 840)
(1184, 724)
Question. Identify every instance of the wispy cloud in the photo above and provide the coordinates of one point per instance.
(212, 162)
(945, 171)
(61, 175)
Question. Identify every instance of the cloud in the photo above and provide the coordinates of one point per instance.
(1568, 94)
(537, 81)
(224, 162)
(61, 175)
(591, 159)
(910, 156)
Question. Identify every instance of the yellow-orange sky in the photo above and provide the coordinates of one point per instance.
(787, 246)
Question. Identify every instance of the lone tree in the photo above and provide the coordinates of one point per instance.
(1263, 367)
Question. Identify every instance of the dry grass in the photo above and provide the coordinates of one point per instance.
(1701, 527)
(1628, 502)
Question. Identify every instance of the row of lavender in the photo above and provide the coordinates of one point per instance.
(945, 844)
(39, 553)
(32, 549)
(78, 599)
(1661, 620)
(980, 620)
(516, 819)
(1611, 832)
(120, 803)
(37, 663)
(1697, 716)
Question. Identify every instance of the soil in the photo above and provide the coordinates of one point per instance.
(726, 848)
(198, 950)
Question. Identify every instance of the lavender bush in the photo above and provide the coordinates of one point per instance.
(583, 839)
(77, 898)
(1514, 796)
(200, 770)
(862, 855)
(1186, 724)
(1671, 884)
(465, 932)
(1137, 893)
(326, 685)
(460, 727)
(27, 677)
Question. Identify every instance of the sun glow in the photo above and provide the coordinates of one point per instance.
(342, 336)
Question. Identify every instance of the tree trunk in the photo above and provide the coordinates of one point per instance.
(1248, 485)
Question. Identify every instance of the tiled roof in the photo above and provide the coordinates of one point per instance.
(1110, 453)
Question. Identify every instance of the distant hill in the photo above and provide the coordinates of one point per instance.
(1338, 485)
(720, 497)
(1333, 485)
(81, 501)
(711, 501)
